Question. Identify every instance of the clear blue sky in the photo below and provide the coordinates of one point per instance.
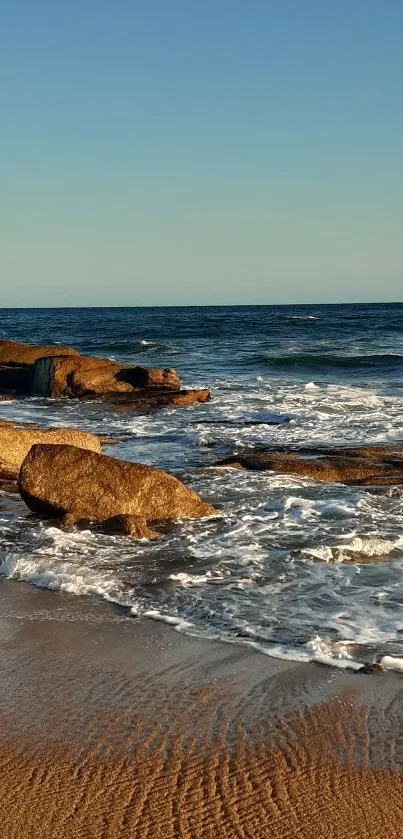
(201, 151)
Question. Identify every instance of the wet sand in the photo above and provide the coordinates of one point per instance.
(113, 727)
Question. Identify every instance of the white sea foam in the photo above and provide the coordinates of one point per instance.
(189, 579)
(58, 567)
(371, 546)
(179, 623)
(61, 577)
(389, 662)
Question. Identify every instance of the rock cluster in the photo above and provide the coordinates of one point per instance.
(56, 371)
(60, 472)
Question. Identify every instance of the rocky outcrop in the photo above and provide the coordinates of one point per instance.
(15, 443)
(81, 376)
(60, 480)
(59, 371)
(356, 466)
(13, 354)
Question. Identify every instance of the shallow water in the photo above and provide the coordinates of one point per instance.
(276, 569)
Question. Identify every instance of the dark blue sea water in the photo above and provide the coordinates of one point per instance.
(277, 568)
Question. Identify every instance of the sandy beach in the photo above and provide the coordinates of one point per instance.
(113, 727)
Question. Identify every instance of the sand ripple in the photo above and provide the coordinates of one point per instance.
(305, 776)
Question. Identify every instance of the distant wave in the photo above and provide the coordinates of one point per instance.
(154, 346)
(302, 317)
(129, 347)
(387, 361)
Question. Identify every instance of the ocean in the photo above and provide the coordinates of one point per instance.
(276, 568)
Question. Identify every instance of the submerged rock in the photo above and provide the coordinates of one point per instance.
(129, 526)
(150, 400)
(370, 667)
(62, 480)
(233, 423)
(356, 466)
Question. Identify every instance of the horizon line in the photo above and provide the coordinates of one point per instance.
(205, 305)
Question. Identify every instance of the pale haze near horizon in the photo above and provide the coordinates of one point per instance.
(201, 153)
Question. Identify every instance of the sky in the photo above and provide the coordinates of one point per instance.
(186, 152)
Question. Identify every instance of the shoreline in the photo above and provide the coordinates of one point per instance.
(118, 727)
(72, 642)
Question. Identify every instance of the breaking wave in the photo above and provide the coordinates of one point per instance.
(378, 362)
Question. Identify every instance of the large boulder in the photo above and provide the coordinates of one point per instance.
(57, 481)
(81, 376)
(15, 443)
(356, 466)
(12, 353)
